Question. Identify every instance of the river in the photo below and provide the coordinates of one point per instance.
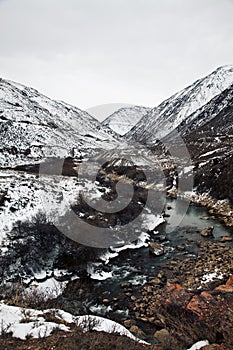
(134, 267)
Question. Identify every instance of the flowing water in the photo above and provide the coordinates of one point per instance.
(134, 267)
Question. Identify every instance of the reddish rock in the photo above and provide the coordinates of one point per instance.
(175, 286)
(177, 295)
(200, 303)
(228, 287)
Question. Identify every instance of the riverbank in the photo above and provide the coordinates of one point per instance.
(187, 300)
(222, 210)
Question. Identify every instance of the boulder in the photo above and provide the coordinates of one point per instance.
(199, 303)
(180, 247)
(226, 239)
(207, 232)
(155, 281)
(162, 335)
(137, 331)
(156, 249)
(129, 323)
(205, 218)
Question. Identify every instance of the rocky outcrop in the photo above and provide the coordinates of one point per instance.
(228, 287)
(198, 303)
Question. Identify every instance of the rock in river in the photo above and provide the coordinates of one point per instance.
(156, 249)
(207, 232)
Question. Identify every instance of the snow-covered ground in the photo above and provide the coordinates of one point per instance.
(24, 322)
(208, 277)
(48, 289)
(27, 195)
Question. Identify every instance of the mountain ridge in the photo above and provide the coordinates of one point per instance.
(161, 120)
(33, 126)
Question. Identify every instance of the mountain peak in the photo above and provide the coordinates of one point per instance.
(225, 67)
(172, 112)
(125, 118)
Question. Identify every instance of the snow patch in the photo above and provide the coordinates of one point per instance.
(209, 277)
(24, 322)
(199, 345)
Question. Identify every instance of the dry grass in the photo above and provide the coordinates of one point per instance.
(75, 340)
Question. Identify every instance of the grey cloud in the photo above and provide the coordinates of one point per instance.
(92, 52)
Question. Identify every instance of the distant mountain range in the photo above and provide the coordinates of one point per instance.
(33, 127)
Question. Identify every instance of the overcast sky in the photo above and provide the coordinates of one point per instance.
(93, 52)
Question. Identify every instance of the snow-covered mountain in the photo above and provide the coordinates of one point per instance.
(124, 119)
(210, 113)
(161, 120)
(209, 138)
(33, 126)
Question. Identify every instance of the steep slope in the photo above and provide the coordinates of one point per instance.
(209, 138)
(172, 112)
(208, 135)
(124, 119)
(33, 126)
(217, 112)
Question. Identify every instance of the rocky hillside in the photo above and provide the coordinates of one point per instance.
(211, 147)
(202, 115)
(208, 135)
(33, 126)
(124, 119)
